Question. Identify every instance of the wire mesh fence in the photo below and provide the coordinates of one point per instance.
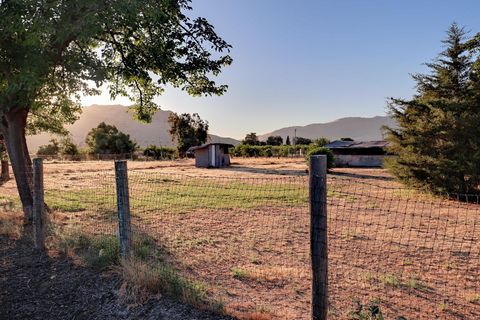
(242, 244)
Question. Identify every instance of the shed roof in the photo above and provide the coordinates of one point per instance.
(203, 146)
(339, 144)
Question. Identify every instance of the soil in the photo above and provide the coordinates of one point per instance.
(36, 286)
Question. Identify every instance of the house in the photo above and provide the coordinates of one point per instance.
(359, 153)
(212, 155)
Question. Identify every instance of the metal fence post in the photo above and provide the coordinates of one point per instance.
(5, 173)
(123, 207)
(318, 236)
(38, 205)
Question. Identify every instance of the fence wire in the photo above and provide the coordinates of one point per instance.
(241, 244)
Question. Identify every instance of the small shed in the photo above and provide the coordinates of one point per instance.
(212, 155)
(359, 153)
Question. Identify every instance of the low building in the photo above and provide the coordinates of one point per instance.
(212, 155)
(359, 153)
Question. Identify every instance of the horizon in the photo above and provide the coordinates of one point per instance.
(315, 62)
(258, 133)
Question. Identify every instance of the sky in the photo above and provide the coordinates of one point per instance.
(314, 61)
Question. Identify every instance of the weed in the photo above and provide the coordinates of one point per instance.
(442, 306)
(389, 280)
(473, 297)
(365, 312)
(239, 273)
(256, 260)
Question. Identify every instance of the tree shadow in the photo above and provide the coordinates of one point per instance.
(361, 176)
(282, 172)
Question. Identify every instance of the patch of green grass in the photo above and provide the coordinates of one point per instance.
(99, 252)
(68, 200)
(180, 196)
(9, 203)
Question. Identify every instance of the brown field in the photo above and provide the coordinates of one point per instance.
(240, 236)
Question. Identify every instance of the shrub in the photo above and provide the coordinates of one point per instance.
(161, 152)
(319, 151)
(51, 149)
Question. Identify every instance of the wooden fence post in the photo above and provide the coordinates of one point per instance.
(123, 207)
(38, 205)
(5, 173)
(318, 236)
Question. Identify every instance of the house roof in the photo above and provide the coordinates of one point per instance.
(203, 146)
(339, 144)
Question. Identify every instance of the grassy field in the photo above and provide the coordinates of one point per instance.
(237, 240)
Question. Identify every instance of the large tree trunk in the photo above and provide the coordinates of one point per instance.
(13, 128)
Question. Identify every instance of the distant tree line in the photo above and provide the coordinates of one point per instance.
(273, 146)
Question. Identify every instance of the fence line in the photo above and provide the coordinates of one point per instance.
(241, 244)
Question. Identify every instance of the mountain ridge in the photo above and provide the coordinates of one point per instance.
(144, 134)
(357, 128)
(156, 132)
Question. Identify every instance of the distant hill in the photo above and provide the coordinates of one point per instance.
(155, 132)
(354, 127)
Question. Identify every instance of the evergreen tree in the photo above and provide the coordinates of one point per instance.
(438, 137)
(287, 141)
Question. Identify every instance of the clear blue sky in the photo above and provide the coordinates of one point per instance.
(312, 61)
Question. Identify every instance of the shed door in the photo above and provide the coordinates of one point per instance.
(213, 155)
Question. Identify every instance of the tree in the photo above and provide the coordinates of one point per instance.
(301, 141)
(134, 47)
(346, 139)
(438, 137)
(251, 139)
(287, 141)
(274, 141)
(188, 130)
(3, 150)
(320, 142)
(51, 149)
(68, 147)
(107, 139)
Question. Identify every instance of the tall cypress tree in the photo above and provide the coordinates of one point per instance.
(438, 135)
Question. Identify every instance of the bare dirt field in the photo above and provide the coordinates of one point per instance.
(240, 236)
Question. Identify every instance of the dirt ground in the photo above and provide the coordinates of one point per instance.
(413, 255)
(36, 286)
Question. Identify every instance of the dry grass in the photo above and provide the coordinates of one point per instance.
(10, 224)
(416, 255)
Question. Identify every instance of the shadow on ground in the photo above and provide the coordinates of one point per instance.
(283, 172)
(36, 286)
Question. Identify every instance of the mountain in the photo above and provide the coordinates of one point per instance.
(155, 133)
(353, 127)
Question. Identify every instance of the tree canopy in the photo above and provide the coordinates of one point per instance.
(300, 140)
(251, 139)
(53, 51)
(438, 136)
(188, 130)
(274, 141)
(107, 139)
